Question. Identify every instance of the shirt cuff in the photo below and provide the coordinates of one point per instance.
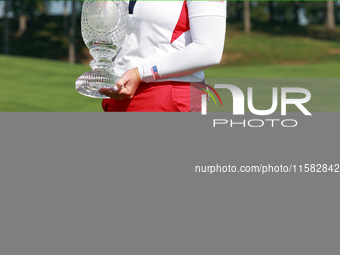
(146, 73)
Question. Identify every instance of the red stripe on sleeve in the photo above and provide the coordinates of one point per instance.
(182, 24)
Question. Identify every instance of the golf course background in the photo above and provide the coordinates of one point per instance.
(279, 52)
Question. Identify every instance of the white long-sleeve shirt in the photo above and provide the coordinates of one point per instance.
(173, 40)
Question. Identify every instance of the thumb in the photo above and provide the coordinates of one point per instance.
(120, 83)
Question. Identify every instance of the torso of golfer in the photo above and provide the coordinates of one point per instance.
(168, 45)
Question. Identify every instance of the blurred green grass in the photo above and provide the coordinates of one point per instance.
(259, 48)
(325, 93)
(314, 70)
(29, 84)
(36, 85)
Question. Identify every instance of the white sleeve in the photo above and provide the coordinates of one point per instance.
(207, 8)
(207, 28)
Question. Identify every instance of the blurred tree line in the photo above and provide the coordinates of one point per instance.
(295, 13)
(28, 29)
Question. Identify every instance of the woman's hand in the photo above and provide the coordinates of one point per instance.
(126, 87)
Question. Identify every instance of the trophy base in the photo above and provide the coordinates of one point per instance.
(89, 83)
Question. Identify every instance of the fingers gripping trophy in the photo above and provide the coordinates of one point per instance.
(104, 27)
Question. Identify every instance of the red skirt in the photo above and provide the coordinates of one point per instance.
(159, 97)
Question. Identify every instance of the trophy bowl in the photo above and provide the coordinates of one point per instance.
(103, 27)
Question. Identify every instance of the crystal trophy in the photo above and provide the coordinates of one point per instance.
(104, 27)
